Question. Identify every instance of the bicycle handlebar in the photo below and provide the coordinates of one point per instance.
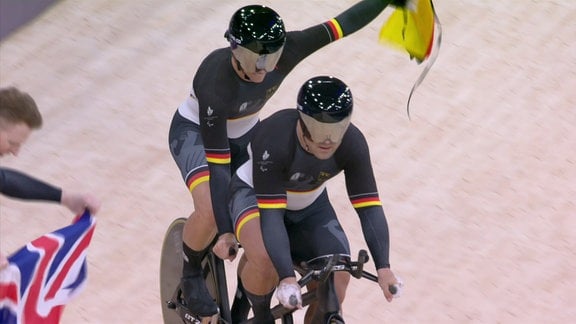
(336, 262)
(322, 267)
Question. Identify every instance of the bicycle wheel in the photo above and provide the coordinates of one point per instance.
(171, 271)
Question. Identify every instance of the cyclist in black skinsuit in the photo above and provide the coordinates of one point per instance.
(212, 127)
(280, 205)
(19, 116)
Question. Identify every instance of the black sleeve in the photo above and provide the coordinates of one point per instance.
(360, 15)
(300, 44)
(276, 241)
(219, 185)
(16, 184)
(376, 234)
(214, 105)
(272, 152)
(363, 193)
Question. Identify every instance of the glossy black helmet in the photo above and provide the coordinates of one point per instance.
(325, 105)
(256, 34)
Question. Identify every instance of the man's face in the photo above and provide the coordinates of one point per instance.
(12, 137)
(322, 151)
(255, 66)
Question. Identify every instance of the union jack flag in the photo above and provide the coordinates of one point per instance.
(45, 274)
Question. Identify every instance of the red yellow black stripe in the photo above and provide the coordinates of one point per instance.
(247, 216)
(218, 157)
(272, 203)
(197, 177)
(335, 29)
(366, 201)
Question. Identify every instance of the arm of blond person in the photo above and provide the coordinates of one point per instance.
(78, 202)
(386, 279)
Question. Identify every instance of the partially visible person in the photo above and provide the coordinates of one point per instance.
(210, 130)
(19, 116)
(280, 206)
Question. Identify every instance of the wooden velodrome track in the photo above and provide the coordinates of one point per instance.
(479, 187)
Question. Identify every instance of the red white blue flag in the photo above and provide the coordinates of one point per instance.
(44, 275)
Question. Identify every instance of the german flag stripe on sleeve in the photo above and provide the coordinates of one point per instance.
(361, 202)
(335, 29)
(266, 203)
(197, 178)
(247, 216)
(218, 157)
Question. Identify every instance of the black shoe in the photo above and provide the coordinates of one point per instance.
(196, 298)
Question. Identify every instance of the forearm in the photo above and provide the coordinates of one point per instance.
(16, 184)
(277, 243)
(376, 234)
(219, 186)
(360, 15)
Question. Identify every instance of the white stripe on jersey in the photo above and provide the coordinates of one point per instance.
(189, 109)
(295, 200)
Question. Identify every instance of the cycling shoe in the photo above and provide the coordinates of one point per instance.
(196, 298)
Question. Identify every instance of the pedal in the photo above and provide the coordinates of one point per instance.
(170, 304)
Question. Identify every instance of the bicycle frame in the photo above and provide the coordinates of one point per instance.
(320, 269)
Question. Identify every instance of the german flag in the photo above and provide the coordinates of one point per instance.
(415, 29)
(411, 29)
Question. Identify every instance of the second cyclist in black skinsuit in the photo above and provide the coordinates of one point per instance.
(280, 206)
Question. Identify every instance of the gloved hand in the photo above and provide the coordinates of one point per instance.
(288, 293)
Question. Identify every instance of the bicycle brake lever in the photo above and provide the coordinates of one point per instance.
(359, 265)
(305, 279)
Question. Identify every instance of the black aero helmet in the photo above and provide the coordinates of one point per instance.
(256, 34)
(325, 105)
